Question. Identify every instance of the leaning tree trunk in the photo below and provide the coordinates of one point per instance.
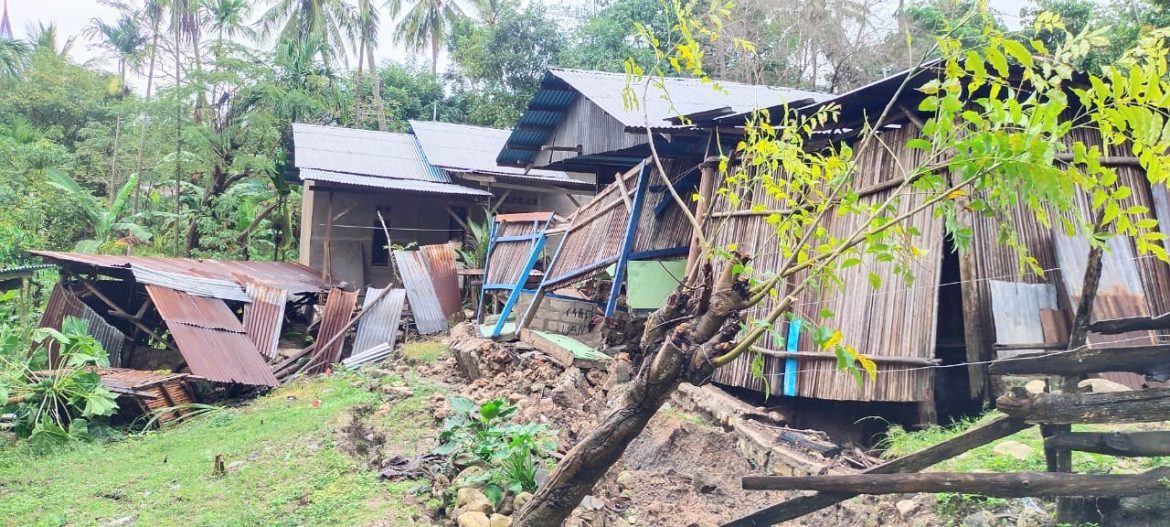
(684, 352)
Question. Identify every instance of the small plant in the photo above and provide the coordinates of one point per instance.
(479, 235)
(58, 406)
(480, 433)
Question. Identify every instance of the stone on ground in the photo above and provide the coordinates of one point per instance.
(472, 500)
(499, 520)
(1101, 386)
(1014, 449)
(473, 519)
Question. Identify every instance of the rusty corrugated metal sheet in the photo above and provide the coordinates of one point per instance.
(211, 338)
(264, 317)
(152, 390)
(380, 325)
(424, 303)
(440, 260)
(216, 278)
(338, 310)
(63, 303)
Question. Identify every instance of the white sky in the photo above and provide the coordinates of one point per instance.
(72, 17)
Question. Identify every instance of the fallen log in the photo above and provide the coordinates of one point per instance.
(997, 428)
(1142, 406)
(1122, 444)
(1152, 361)
(1010, 485)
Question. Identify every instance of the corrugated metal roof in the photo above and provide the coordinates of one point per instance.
(216, 278)
(473, 149)
(1017, 309)
(422, 187)
(424, 303)
(338, 311)
(264, 317)
(687, 97)
(380, 325)
(365, 152)
(440, 260)
(210, 338)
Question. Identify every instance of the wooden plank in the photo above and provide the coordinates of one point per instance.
(1122, 444)
(1118, 326)
(1009, 485)
(1153, 360)
(992, 430)
(1142, 406)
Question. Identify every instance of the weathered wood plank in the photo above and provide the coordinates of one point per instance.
(992, 430)
(1010, 485)
(1153, 360)
(1116, 326)
(1122, 444)
(1142, 406)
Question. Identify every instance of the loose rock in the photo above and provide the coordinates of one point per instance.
(521, 500)
(469, 499)
(1014, 449)
(472, 519)
(499, 520)
(1035, 386)
(906, 507)
(1101, 386)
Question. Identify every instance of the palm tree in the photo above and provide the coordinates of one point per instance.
(126, 42)
(490, 11)
(425, 24)
(331, 21)
(13, 56)
(44, 38)
(367, 29)
(229, 19)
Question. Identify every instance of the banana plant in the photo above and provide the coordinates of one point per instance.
(108, 222)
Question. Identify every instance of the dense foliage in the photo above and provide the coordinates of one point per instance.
(187, 157)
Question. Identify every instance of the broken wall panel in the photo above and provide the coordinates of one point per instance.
(264, 317)
(63, 303)
(440, 260)
(1019, 314)
(338, 311)
(420, 292)
(380, 323)
(896, 321)
(211, 338)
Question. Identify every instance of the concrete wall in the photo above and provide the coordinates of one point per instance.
(558, 315)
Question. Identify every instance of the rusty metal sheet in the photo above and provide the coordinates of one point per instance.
(264, 317)
(440, 260)
(183, 308)
(1018, 313)
(380, 324)
(424, 303)
(215, 278)
(211, 338)
(338, 311)
(63, 303)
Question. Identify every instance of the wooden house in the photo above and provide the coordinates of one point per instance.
(426, 184)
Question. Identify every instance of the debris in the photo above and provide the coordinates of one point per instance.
(1036, 386)
(470, 499)
(906, 507)
(1033, 517)
(521, 500)
(472, 519)
(499, 520)
(1101, 386)
(399, 468)
(1014, 449)
(217, 468)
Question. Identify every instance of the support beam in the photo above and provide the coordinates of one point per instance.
(537, 247)
(1148, 360)
(1143, 406)
(628, 245)
(456, 218)
(487, 259)
(1121, 444)
(995, 429)
(1010, 485)
(122, 314)
(1118, 326)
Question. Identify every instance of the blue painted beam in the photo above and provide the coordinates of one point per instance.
(790, 364)
(518, 238)
(486, 260)
(628, 245)
(532, 258)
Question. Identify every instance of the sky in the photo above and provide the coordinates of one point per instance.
(73, 16)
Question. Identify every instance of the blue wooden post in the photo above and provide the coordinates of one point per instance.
(628, 245)
(525, 319)
(791, 364)
(483, 283)
(536, 248)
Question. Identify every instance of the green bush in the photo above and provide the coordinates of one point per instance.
(480, 433)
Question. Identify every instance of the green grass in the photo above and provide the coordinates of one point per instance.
(289, 472)
(899, 442)
(424, 351)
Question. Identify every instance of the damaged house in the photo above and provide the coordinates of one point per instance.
(931, 339)
(426, 185)
(218, 322)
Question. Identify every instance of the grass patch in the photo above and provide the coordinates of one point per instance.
(424, 351)
(899, 442)
(283, 469)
